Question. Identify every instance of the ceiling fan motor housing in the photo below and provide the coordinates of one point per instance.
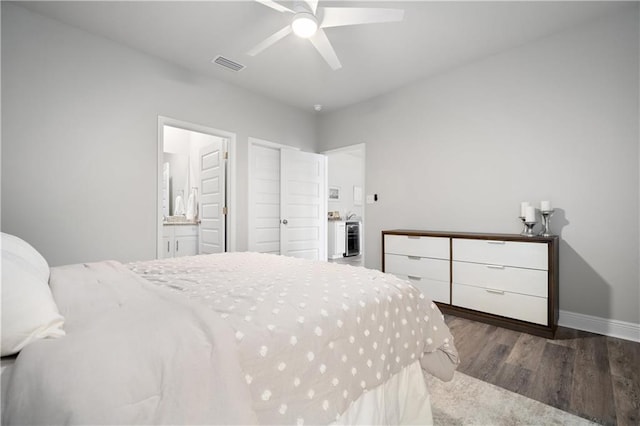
(304, 24)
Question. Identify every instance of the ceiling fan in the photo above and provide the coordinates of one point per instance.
(309, 21)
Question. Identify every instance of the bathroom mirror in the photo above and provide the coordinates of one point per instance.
(178, 182)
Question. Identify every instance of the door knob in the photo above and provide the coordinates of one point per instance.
(285, 221)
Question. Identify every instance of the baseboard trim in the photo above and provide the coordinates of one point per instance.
(608, 327)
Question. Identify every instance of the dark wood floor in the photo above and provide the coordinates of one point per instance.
(589, 375)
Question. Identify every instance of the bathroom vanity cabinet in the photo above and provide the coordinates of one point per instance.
(179, 239)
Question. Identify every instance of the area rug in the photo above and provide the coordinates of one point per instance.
(469, 401)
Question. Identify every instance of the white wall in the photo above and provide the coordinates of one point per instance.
(346, 170)
(555, 120)
(176, 141)
(79, 137)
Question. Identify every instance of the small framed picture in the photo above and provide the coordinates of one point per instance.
(334, 193)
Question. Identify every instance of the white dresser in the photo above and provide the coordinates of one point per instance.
(503, 279)
(179, 240)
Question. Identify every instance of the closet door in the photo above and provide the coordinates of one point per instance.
(264, 199)
(287, 201)
(303, 204)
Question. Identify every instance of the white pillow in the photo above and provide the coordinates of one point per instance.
(28, 310)
(23, 250)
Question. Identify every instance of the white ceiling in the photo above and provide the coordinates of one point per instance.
(376, 58)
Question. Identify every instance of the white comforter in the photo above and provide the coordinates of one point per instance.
(312, 336)
(277, 341)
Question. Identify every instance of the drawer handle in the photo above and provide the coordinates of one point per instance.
(494, 291)
(496, 242)
(413, 237)
(495, 266)
(414, 257)
(411, 277)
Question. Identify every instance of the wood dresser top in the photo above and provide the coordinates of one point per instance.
(470, 235)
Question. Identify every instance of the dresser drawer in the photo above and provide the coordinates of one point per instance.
(512, 305)
(436, 290)
(531, 282)
(437, 269)
(437, 247)
(503, 253)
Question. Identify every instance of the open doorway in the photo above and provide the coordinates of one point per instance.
(196, 189)
(345, 204)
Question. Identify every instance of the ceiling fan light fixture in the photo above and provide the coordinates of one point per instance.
(304, 24)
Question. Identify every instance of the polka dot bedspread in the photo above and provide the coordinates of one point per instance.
(312, 336)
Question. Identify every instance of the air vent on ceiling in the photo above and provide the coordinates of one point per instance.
(228, 63)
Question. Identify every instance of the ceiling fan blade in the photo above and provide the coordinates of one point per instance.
(273, 5)
(313, 5)
(269, 41)
(341, 16)
(323, 46)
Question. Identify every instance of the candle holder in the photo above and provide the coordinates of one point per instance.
(546, 222)
(524, 226)
(528, 231)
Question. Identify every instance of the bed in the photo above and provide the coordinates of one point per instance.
(233, 338)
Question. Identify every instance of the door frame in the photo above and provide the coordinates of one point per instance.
(231, 184)
(363, 252)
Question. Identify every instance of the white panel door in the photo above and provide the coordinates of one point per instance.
(212, 198)
(264, 187)
(303, 204)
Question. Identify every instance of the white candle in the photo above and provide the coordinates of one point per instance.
(530, 214)
(523, 208)
(545, 206)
